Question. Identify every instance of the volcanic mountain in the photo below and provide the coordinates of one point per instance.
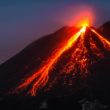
(72, 62)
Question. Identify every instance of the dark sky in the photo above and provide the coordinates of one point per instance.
(23, 21)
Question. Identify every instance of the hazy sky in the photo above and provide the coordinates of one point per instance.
(23, 21)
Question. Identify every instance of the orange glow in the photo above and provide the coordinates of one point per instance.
(80, 60)
(76, 15)
(84, 22)
(84, 19)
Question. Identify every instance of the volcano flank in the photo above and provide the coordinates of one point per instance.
(73, 63)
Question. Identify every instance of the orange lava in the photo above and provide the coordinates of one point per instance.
(84, 22)
(40, 78)
(101, 38)
(87, 52)
(80, 59)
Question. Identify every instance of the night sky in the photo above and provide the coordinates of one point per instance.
(24, 21)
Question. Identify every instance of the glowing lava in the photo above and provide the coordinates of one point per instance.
(40, 78)
(80, 60)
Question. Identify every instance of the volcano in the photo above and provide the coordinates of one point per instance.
(72, 62)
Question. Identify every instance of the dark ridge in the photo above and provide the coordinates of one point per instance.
(105, 30)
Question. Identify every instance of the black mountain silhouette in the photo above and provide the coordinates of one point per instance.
(60, 96)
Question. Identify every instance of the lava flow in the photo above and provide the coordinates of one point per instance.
(82, 57)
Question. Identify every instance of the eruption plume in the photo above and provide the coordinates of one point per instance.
(86, 52)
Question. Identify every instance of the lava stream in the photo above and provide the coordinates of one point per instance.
(101, 37)
(40, 78)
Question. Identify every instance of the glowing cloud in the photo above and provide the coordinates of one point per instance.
(76, 15)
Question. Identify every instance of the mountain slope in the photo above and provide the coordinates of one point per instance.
(81, 71)
(80, 52)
